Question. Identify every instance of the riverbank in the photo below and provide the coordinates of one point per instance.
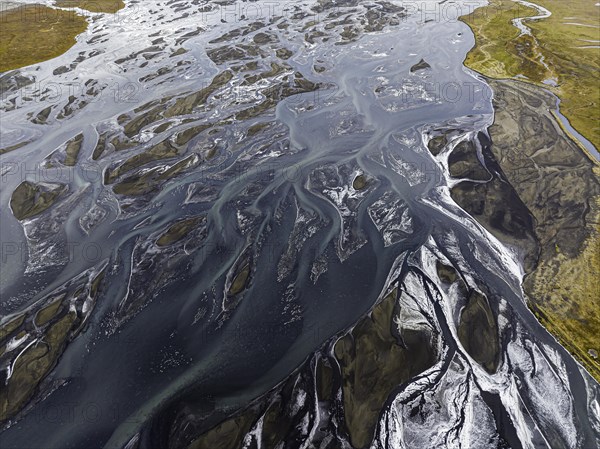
(106, 6)
(558, 51)
(561, 188)
(33, 33)
(6, 6)
(553, 174)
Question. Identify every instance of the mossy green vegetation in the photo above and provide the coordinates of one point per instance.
(495, 53)
(162, 150)
(40, 334)
(360, 182)
(30, 199)
(227, 435)
(11, 326)
(33, 365)
(352, 384)
(256, 128)
(550, 209)
(30, 34)
(240, 280)
(561, 53)
(48, 312)
(73, 149)
(33, 33)
(446, 273)
(570, 306)
(178, 231)
(145, 182)
(324, 380)
(108, 6)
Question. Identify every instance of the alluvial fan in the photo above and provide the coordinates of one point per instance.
(231, 224)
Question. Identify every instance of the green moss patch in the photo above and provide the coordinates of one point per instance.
(30, 199)
(108, 6)
(35, 33)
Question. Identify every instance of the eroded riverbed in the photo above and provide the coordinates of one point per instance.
(218, 201)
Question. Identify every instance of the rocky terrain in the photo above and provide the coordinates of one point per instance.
(560, 186)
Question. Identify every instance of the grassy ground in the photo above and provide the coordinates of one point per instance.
(570, 308)
(109, 6)
(35, 33)
(559, 49)
(564, 290)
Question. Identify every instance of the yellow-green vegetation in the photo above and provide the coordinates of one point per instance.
(178, 231)
(371, 361)
(227, 435)
(558, 188)
(276, 69)
(30, 199)
(48, 312)
(188, 103)
(256, 128)
(148, 181)
(496, 52)
(570, 308)
(73, 149)
(562, 48)
(278, 415)
(33, 365)
(446, 273)
(477, 329)
(185, 136)
(162, 150)
(324, 380)
(240, 281)
(18, 145)
(360, 182)
(42, 333)
(563, 288)
(35, 33)
(11, 326)
(109, 6)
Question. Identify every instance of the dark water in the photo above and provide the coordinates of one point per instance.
(320, 252)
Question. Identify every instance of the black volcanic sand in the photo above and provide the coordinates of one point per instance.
(368, 364)
(370, 361)
(542, 200)
(495, 204)
(552, 176)
(478, 331)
